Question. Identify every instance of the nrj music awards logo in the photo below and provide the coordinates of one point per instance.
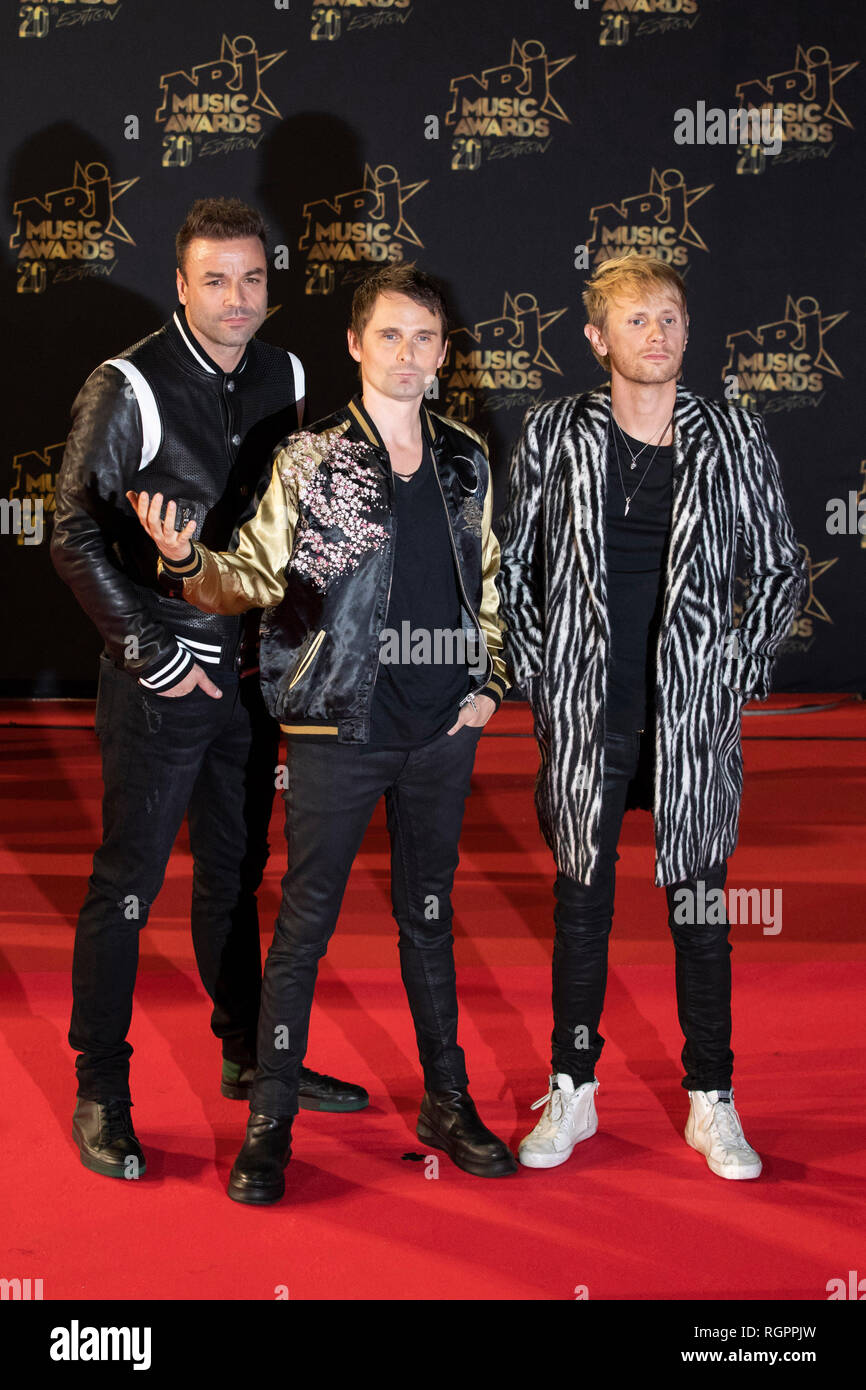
(365, 225)
(657, 222)
(32, 494)
(506, 110)
(35, 20)
(71, 232)
(811, 116)
(637, 19)
(217, 106)
(782, 365)
(498, 364)
(330, 20)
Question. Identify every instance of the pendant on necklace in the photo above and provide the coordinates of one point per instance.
(627, 505)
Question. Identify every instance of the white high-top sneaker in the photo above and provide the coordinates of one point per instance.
(569, 1116)
(715, 1130)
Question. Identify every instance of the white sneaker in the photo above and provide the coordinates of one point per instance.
(569, 1117)
(714, 1129)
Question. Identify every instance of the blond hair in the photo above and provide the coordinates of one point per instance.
(625, 275)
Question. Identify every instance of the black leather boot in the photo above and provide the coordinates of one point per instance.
(106, 1140)
(449, 1121)
(258, 1174)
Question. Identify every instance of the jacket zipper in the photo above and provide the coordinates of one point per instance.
(390, 582)
(469, 607)
(228, 422)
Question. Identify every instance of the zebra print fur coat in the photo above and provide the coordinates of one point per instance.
(552, 585)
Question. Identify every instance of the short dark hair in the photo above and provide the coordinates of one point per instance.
(399, 277)
(221, 219)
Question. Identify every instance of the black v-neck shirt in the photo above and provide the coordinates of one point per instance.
(636, 555)
(416, 700)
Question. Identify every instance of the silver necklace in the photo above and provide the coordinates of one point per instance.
(634, 457)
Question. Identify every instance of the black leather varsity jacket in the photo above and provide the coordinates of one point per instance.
(317, 555)
(163, 417)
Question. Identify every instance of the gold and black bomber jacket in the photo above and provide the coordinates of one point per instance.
(317, 556)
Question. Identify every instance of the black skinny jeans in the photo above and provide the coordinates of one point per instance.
(584, 915)
(331, 794)
(161, 757)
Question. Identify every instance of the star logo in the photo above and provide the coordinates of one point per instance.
(800, 311)
(238, 70)
(534, 52)
(519, 327)
(91, 176)
(802, 330)
(36, 473)
(812, 79)
(814, 569)
(90, 197)
(528, 73)
(667, 202)
(235, 52)
(381, 198)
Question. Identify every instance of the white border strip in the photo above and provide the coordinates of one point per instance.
(300, 378)
(151, 424)
(169, 674)
(197, 357)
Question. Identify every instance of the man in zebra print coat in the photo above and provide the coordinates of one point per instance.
(617, 588)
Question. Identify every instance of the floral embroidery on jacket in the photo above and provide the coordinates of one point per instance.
(472, 515)
(335, 492)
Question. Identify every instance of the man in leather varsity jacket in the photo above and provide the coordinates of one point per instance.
(195, 408)
(626, 505)
(373, 554)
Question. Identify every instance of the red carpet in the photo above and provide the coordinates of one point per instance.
(634, 1214)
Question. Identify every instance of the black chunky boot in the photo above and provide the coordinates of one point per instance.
(258, 1175)
(449, 1121)
(106, 1140)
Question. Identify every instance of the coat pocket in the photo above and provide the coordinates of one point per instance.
(535, 695)
(308, 656)
(732, 662)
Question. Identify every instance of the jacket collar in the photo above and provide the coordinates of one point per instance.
(696, 451)
(192, 352)
(692, 444)
(363, 426)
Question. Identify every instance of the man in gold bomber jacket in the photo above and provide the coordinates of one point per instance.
(373, 555)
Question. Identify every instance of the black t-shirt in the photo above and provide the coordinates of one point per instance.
(423, 670)
(636, 555)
